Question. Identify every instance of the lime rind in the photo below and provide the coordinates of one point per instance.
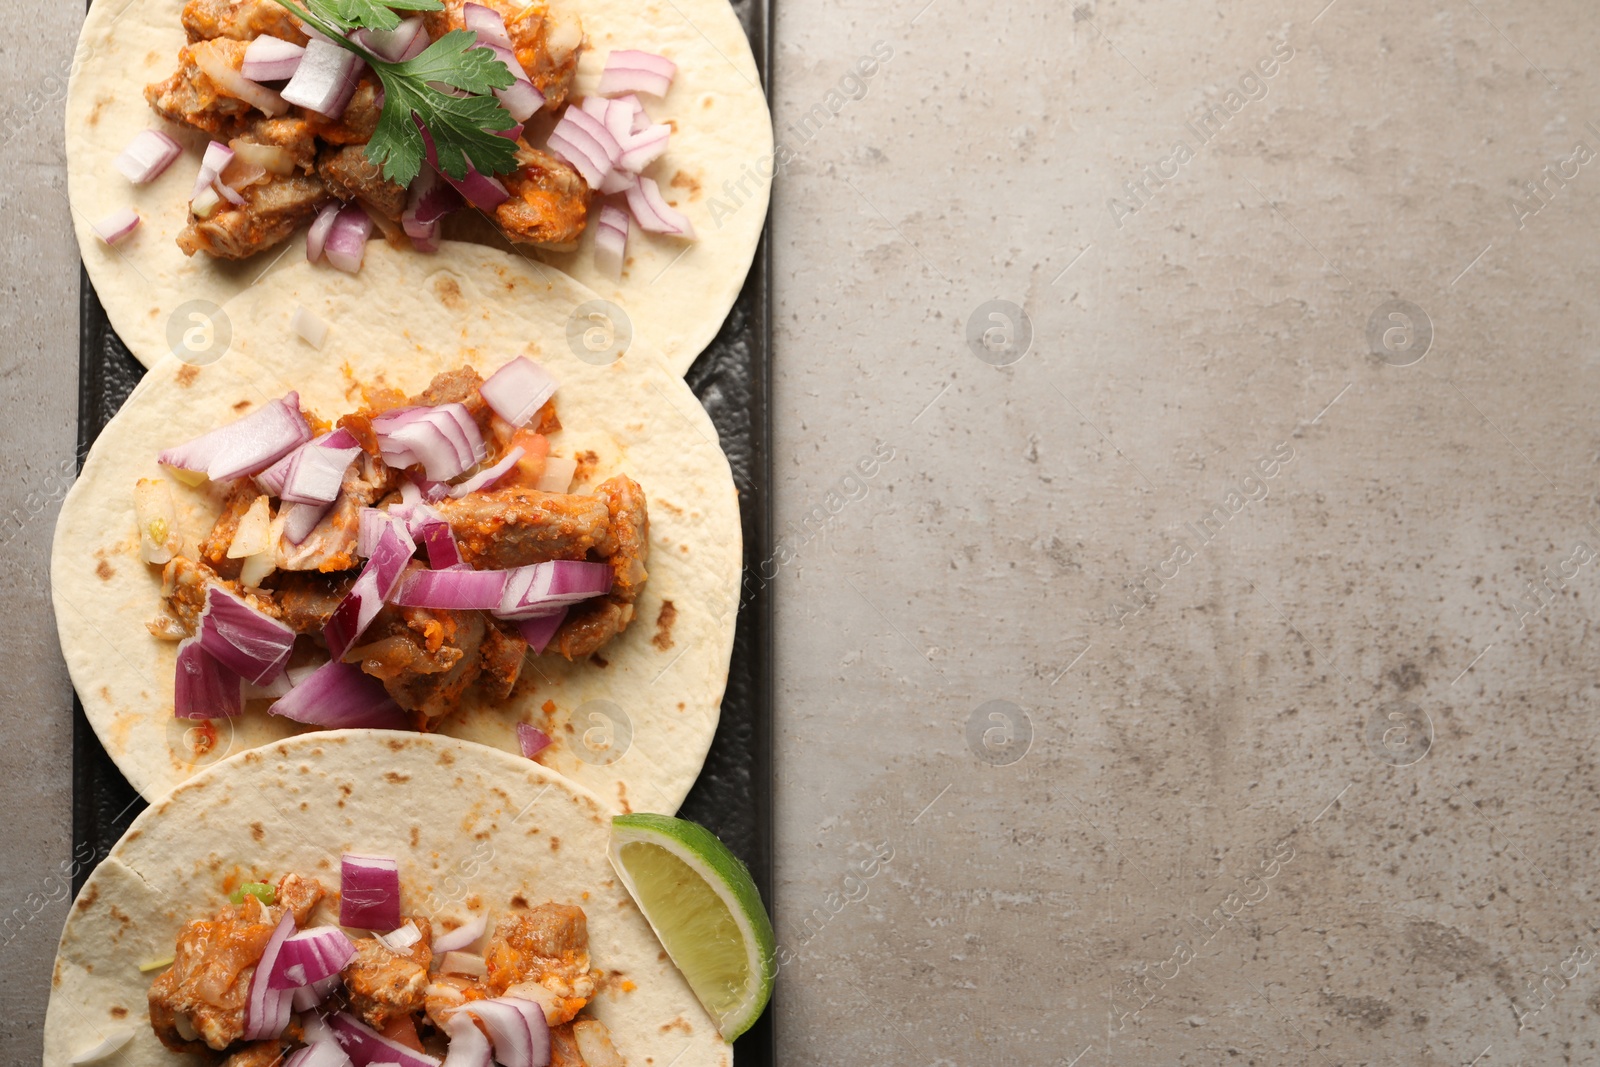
(729, 879)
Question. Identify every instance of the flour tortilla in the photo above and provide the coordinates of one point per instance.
(635, 730)
(721, 146)
(463, 821)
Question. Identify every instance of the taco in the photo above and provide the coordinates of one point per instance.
(442, 520)
(631, 146)
(365, 897)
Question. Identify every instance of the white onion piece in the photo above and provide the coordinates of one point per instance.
(159, 540)
(213, 62)
(274, 689)
(630, 71)
(254, 533)
(468, 1046)
(149, 154)
(397, 941)
(212, 164)
(611, 241)
(346, 242)
(465, 963)
(206, 204)
(594, 1044)
(462, 936)
(117, 225)
(271, 59)
(325, 80)
(557, 476)
(655, 214)
(270, 158)
(113, 1040)
(312, 330)
(256, 568)
(487, 23)
(518, 390)
(317, 235)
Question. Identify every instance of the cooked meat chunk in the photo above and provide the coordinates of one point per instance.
(543, 955)
(189, 96)
(214, 549)
(285, 132)
(508, 528)
(503, 652)
(549, 203)
(458, 386)
(564, 1047)
(331, 545)
(590, 625)
(383, 984)
(263, 1054)
(359, 120)
(183, 598)
(203, 993)
(348, 174)
(547, 44)
(306, 599)
(299, 895)
(425, 658)
(272, 211)
(243, 20)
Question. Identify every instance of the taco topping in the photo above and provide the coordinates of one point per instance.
(311, 103)
(405, 560)
(271, 978)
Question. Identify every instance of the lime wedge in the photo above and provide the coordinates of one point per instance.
(703, 906)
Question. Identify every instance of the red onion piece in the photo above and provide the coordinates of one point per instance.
(583, 141)
(369, 891)
(618, 181)
(371, 524)
(255, 646)
(641, 149)
(149, 154)
(518, 390)
(376, 583)
(204, 688)
(406, 41)
(461, 936)
(429, 200)
(266, 1010)
(539, 630)
(540, 588)
(271, 59)
(212, 164)
(316, 469)
(460, 590)
(340, 696)
(487, 23)
(300, 519)
(304, 999)
(440, 541)
(517, 1030)
(522, 99)
(326, 78)
(611, 240)
(445, 440)
(244, 446)
(311, 956)
(629, 71)
(117, 225)
(468, 1046)
(317, 235)
(655, 214)
(481, 190)
(346, 243)
(531, 740)
(217, 66)
(365, 1045)
(489, 475)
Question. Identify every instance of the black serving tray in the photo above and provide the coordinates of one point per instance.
(733, 796)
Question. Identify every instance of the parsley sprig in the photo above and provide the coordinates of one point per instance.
(461, 127)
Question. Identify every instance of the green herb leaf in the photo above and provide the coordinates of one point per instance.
(369, 14)
(461, 126)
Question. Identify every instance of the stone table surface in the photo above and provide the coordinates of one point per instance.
(1185, 477)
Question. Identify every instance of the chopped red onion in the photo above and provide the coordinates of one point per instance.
(341, 696)
(307, 997)
(487, 23)
(468, 1046)
(558, 474)
(346, 242)
(523, 100)
(481, 190)
(517, 1030)
(655, 214)
(539, 630)
(460, 590)
(531, 739)
(397, 941)
(440, 541)
(365, 1045)
(205, 688)
(641, 149)
(518, 390)
(326, 78)
(489, 475)
(618, 181)
(300, 519)
(376, 583)
(229, 194)
(428, 201)
(218, 67)
(611, 240)
(406, 41)
(266, 1010)
(369, 891)
(316, 469)
(244, 446)
(462, 936)
(117, 225)
(317, 235)
(271, 59)
(583, 141)
(371, 524)
(444, 440)
(147, 156)
(629, 71)
(539, 588)
(212, 164)
(255, 646)
(311, 956)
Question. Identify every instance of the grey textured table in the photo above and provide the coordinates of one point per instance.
(1186, 466)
